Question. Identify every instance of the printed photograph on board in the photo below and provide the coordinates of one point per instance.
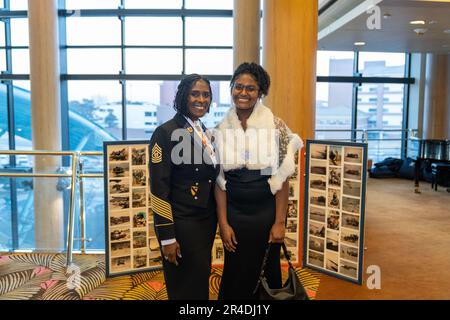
(120, 234)
(317, 198)
(333, 219)
(139, 198)
(138, 156)
(318, 151)
(291, 225)
(139, 218)
(153, 244)
(350, 237)
(334, 177)
(353, 154)
(218, 251)
(292, 209)
(349, 269)
(139, 239)
(119, 202)
(352, 172)
(335, 155)
(293, 190)
(119, 218)
(331, 261)
(317, 214)
(290, 239)
(151, 229)
(139, 177)
(332, 240)
(350, 204)
(154, 257)
(316, 244)
(140, 258)
(318, 182)
(292, 252)
(119, 186)
(349, 253)
(350, 221)
(120, 264)
(352, 188)
(315, 258)
(120, 248)
(318, 167)
(119, 170)
(334, 198)
(316, 229)
(118, 153)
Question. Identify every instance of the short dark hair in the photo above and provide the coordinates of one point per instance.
(257, 72)
(183, 91)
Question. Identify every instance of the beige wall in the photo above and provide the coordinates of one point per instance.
(289, 55)
(437, 97)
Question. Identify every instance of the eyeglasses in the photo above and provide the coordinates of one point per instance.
(240, 87)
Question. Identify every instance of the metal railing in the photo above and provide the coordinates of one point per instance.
(378, 146)
(76, 176)
(365, 134)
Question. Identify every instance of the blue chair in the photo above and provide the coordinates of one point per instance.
(440, 172)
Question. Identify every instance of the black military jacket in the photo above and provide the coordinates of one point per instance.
(179, 190)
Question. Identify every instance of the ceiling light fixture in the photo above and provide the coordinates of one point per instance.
(417, 22)
(447, 31)
(420, 31)
(360, 43)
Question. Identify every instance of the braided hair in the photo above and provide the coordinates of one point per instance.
(180, 104)
(257, 72)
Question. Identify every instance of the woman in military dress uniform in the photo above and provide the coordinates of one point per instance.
(183, 171)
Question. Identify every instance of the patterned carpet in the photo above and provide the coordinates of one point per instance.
(45, 277)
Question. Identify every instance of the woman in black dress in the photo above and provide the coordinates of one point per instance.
(257, 156)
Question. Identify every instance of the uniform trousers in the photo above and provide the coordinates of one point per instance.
(190, 279)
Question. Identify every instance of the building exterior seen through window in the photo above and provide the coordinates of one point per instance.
(128, 68)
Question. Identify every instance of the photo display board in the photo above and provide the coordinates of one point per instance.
(131, 244)
(292, 222)
(335, 186)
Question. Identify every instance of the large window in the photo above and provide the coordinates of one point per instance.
(121, 61)
(125, 64)
(16, 195)
(362, 101)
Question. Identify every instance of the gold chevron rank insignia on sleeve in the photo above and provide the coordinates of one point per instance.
(189, 129)
(161, 208)
(156, 154)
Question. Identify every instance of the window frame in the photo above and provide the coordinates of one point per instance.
(358, 79)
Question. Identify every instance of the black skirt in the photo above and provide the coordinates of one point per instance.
(251, 214)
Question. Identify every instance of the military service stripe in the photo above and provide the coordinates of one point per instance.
(162, 212)
(164, 224)
(161, 207)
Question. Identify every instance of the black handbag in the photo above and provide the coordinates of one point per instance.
(292, 288)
